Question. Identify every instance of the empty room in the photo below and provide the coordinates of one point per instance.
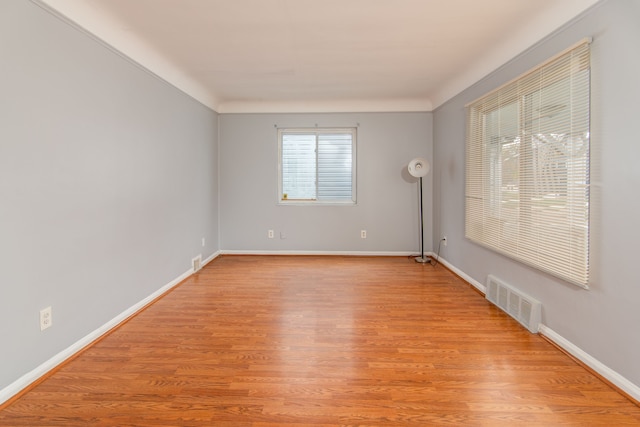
(319, 213)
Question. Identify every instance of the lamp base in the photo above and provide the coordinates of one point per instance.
(423, 260)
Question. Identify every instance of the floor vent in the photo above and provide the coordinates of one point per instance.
(196, 263)
(521, 307)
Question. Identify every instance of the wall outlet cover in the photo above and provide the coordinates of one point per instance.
(46, 319)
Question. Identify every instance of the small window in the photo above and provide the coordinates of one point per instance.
(317, 166)
(527, 167)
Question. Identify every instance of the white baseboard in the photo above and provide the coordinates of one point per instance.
(462, 274)
(609, 374)
(211, 258)
(293, 252)
(30, 377)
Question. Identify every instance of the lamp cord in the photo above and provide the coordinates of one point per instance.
(438, 254)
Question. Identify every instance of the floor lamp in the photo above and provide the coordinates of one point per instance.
(418, 168)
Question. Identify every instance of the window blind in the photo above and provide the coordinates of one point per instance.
(527, 167)
(334, 166)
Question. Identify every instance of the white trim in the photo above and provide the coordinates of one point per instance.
(211, 258)
(615, 378)
(295, 252)
(584, 40)
(482, 288)
(560, 15)
(27, 379)
(332, 106)
(126, 44)
(115, 35)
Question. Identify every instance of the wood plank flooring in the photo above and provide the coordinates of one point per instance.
(291, 341)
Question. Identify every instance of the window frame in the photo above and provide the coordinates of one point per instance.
(316, 131)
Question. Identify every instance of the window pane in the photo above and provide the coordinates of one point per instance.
(334, 166)
(503, 154)
(298, 166)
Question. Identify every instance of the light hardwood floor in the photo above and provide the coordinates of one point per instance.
(321, 341)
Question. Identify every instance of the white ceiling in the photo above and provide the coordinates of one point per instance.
(320, 55)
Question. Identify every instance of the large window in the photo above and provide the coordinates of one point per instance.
(527, 167)
(317, 166)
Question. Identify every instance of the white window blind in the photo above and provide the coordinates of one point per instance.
(527, 167)
(317, 165)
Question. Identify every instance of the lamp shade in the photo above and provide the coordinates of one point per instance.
(419, 167)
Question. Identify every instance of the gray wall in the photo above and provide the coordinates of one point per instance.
(387, 205)
(602, 321)
(108, 182)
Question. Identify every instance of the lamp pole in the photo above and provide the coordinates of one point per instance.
(418, 168)
(422, 259)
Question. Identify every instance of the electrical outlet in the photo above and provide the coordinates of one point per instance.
(444, 240)
(363, 234)
(203, 242)
(270, 234)
(45, 318)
